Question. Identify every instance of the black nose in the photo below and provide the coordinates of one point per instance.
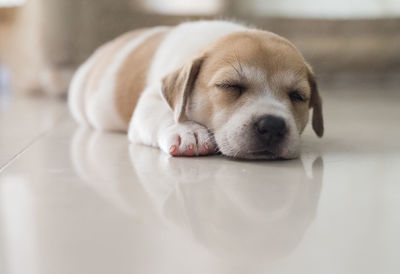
(271, 129)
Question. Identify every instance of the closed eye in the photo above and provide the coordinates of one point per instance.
(296, 96)
(231, 86)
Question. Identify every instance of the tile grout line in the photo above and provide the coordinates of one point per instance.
(22, 151)
(33, 141)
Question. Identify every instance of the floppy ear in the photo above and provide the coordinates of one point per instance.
(316, 105)
(177, 86)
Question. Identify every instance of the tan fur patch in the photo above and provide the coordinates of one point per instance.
(132, 75)
(104, 56)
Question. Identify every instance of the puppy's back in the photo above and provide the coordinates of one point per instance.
(105, 89)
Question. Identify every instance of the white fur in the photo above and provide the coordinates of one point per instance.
(76, 96)
(184, 42)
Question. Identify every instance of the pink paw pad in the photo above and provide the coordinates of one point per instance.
(173, 150)
(189, 151)
(205, 149)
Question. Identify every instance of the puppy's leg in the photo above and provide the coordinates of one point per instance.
(153, 124)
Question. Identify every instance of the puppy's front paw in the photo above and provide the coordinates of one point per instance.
(187, 139)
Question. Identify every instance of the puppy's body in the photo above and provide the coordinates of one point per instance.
(174, 87)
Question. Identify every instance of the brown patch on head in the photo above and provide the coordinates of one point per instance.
(252, 62)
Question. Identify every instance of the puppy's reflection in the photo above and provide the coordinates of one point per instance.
(102, 161)
(240, 209)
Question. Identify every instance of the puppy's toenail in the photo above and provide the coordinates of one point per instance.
(172, 149)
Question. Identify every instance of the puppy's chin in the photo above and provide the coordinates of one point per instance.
(244, 145)
(256, 156)
(262, 155)
(285, 151)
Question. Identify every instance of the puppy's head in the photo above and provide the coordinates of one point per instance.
(253, 90)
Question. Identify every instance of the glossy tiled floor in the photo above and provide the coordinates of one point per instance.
(76, 201)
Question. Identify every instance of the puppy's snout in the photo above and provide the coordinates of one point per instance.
(271, 129)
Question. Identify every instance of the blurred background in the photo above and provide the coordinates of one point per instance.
(43, 41)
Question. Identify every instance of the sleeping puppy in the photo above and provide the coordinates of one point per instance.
(198, 88)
